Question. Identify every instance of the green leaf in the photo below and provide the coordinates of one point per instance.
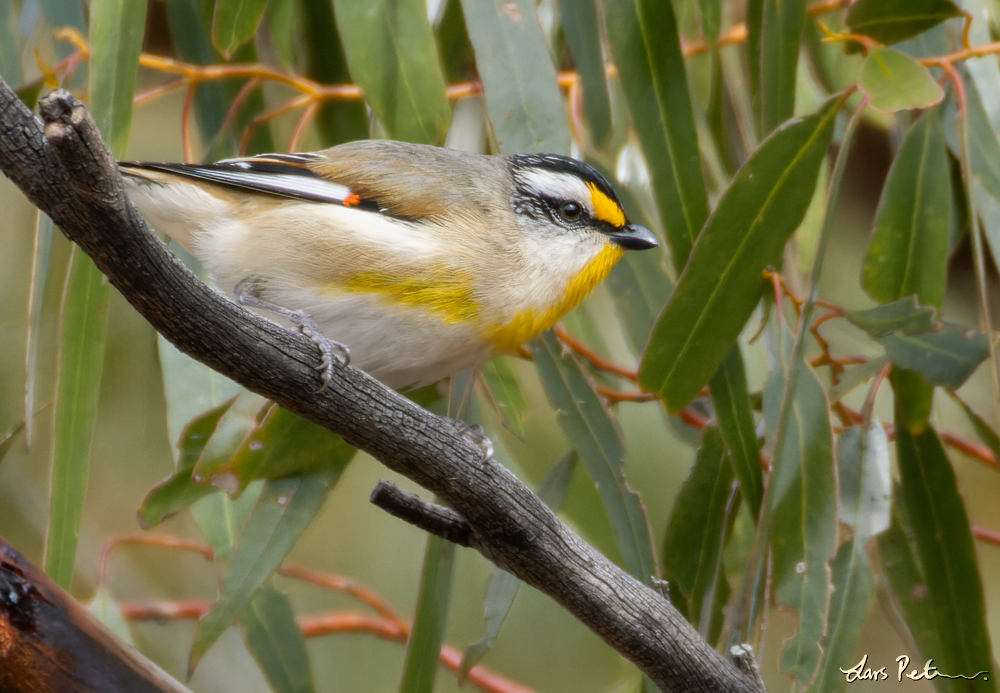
(711, 19)
(646, 48)
(853, 595)
(393, 58)
(640, 288)
(338, 121)
(697, 532)
(190, 387)
(983, 429)
(780, 35)
(503, 587)
(83, 332)
(284, 444)
(501, 381)
(116, 31)
(803, 510)
(240, 420)
(519, 80)
(895, 82)
(914, 398)
(179, 490)
(499, 599)
(865, 478)
(10, 53)
(946, 358)
(590, 430)
(947, 555)
(732, 408)
(221, 519)
(746, 233)
(580, 24)
(905, 316)
(276, 642)
(283, 510)
(855, 377)
(234, 22)
(423, 647)
(909, 247)
(36, 302)
(104, 608)
(891, 21)
(281, 18)
(7, 440)
(906, 580)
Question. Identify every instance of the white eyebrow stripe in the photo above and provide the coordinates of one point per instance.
(563, 186)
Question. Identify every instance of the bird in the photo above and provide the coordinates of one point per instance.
(414, 261)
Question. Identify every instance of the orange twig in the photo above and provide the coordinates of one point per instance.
(615, 396)
(989, 535)
(597, 361)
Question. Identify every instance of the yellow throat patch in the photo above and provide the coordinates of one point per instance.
(528, 324)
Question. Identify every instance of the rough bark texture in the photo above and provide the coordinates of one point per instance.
(69, 173)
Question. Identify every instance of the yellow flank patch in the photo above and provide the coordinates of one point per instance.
(446, 293)
(606, 209)
(528, 324)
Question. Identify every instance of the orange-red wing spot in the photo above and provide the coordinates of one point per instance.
(352, 200)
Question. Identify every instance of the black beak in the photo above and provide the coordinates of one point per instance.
(634, 237)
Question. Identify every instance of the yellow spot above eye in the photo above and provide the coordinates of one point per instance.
(606, 209)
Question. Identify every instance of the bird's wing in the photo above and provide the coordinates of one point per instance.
(284, 175)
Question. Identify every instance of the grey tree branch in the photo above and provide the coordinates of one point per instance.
(68, 172)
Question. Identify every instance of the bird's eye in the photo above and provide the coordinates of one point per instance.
(570, 211)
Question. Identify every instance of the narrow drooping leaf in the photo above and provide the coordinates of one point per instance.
(116, 31)
(947, 555)
(906, 580)
(338, 121)
(393, 58)
(580, 23)
(283, 510)
(503, 587)
(281, 17)
(44, 229)
(10, 54)
(914, 398)
(732, 408)
(908, 254)
(591, 432)
(83, 332)
(234, 22)
(865, 478)
(519, 80)
(804, 521)
(947, 357)
(179, 490)
(640, 287)
(892, 21)
(711, 18)
(853, 584)
(697, 531)
(506, 393)
(905, 316)
(780, 34)
(722, 282)
(423, 647)
(895, 82)
(275, 641)
(983, 429)
(646, 48)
